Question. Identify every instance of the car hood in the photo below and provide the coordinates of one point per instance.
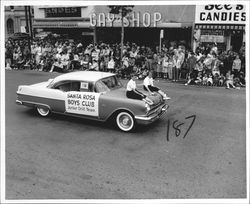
(121, 94)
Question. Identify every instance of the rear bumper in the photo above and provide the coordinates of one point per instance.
(144, 120)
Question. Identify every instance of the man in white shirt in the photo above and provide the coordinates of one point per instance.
(148, 85)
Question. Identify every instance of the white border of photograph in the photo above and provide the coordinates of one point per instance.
(67, 3)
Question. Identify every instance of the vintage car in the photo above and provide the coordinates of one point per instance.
(92, 95)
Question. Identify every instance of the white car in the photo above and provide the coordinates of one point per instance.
(92, 95)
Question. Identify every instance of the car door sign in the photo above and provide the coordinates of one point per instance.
(84, 103)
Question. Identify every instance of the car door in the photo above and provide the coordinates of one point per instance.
(82, 100)
(59, 92)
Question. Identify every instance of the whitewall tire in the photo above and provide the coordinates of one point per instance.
(125, 121)
(43, 111)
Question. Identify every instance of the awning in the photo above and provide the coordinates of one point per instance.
(61, 24)
(220, 26)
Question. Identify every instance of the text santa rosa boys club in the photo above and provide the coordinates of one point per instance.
(75, 99)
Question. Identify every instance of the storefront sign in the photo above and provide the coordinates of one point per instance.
(84, 103)
(220, 14)
(212, 38)
(63, 12)
(132, 20)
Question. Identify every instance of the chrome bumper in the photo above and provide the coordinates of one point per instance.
(19, 102)
(149, 119)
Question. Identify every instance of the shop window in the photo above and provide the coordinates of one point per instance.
(10, 26)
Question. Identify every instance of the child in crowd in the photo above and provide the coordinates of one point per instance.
(198, 79)
(170, 67)
(222, 79)
(94, 66)
(229, 80)
(165, 66)
(210, 80)
(159, 66)
(216, 80)
(57, 66)
(204, 80)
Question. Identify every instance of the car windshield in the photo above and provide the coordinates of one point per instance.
(107, 84)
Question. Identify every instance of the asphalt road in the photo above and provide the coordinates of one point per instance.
(69, 158)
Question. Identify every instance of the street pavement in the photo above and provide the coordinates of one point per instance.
(196, 150)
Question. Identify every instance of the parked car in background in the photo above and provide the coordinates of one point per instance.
(92, 95)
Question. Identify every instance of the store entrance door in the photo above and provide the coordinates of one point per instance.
(236, 40)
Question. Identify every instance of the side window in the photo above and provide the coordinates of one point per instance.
(68, 86)
(63, 86)
(75, 86)
(101, 87)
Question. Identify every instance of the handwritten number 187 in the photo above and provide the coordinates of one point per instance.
(177, 127)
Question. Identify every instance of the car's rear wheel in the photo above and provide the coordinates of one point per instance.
(43, 111)
(125, 121)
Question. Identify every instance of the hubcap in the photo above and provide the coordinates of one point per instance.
(125, 121)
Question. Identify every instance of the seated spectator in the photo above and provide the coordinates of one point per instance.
(20, 62)
(57, 66)
(94, 66)
(229, 80)
(222, 80)
(205, 80)
(41, 64)
(198, 79)
(242, 80)
(210, 80)
(216, 80)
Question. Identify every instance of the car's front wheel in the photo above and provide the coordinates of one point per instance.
(125, 121)
(43, 111)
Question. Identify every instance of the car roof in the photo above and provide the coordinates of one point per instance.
(90, 76)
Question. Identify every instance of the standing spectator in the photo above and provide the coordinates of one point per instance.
(154, 65)
(111, 65)
(8, 57)
(191, 62)
(236, 66)
(180, 56)
(159, 66)
(165, 66)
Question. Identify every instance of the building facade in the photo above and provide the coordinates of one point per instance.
(15, 20)
(74, 22)
(95, 23)
(220, 24)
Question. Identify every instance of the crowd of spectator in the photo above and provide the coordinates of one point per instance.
(206, 66)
